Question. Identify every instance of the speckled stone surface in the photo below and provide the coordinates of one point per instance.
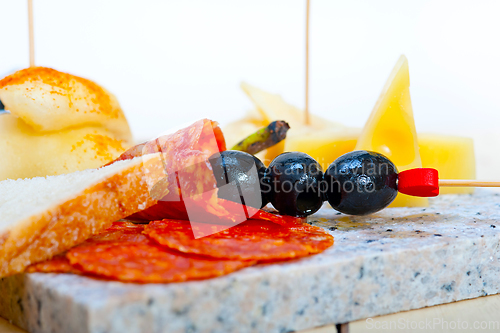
(398, 259)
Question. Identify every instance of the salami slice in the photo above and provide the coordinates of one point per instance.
(145, 263)
(117, 232)
(58, 264)
(120, 232)
(251, 240)
(124, 253)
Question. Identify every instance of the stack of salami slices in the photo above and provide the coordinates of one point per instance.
(172, 244)
(166, 250)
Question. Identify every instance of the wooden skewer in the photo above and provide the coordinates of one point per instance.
(307, 120)
(31, 33)
(467, 183)
(425, 182)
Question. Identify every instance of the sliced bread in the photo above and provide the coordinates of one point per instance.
(43, 216)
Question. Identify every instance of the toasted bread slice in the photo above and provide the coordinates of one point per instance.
(43, 216)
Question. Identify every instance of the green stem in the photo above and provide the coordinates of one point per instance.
(264, 138)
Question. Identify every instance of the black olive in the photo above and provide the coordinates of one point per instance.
(240, 177)
(295, 179)
(2, 107)
(361, 182)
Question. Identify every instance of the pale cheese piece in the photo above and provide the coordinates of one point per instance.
(390, 129)
(324, 146)
(453, 157)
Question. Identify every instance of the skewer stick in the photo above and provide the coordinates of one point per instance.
(425, 182)
(467, 183)
(31, 33)
(307, 120)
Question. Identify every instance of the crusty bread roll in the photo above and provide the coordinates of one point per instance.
(44, 216)
(58, 123)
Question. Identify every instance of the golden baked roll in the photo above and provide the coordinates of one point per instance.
(58, 123)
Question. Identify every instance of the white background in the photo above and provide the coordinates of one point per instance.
(170, 62)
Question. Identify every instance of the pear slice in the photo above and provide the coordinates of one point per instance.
(272, 107)
(390, 129)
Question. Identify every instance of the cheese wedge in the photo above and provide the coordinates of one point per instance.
(325, 141)
(452, 156)
(390, 129)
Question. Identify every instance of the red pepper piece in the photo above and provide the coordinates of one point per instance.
(420, 182)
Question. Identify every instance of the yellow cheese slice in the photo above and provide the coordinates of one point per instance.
(452, 156)
(324, 146)
(390, 129)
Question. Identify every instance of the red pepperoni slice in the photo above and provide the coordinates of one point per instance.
(124, 253)
(58, 264)
(143, 263)
(251, 240)
(119, 232)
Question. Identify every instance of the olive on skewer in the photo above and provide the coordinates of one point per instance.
(361, 182)
(296, 180)
(357, 183)
(240, 178)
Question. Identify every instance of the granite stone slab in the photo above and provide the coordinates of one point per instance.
(398, 259)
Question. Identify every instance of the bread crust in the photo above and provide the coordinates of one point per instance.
(67, 224)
